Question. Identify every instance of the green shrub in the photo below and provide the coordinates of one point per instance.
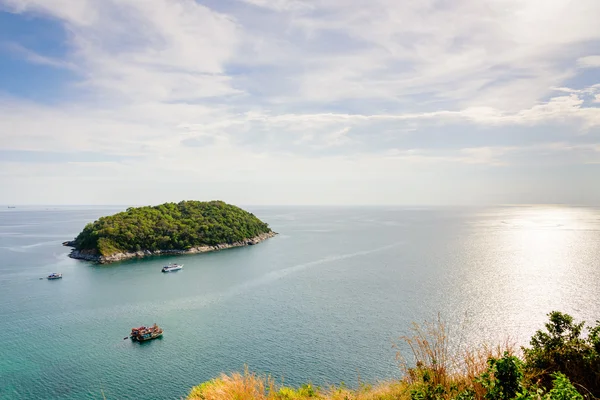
(304, 391)
(562, 389)
(594, 337)
(561, 348)
(428, 392)
(503, 378)
(467, 394)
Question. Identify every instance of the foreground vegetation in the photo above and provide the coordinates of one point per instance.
(561, 363)
(170, 226)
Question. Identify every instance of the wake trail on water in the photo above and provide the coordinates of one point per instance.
(197, 302)
(275, 275)
(23, 249)
(268, 278)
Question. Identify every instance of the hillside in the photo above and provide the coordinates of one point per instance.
(187, 226)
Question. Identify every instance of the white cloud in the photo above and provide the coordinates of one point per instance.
(556, 108)
(146, 129)
(589, 62)
(81, 12)
(158, 50)
(322, 90)
(337, 138)
(281, 5)
(35, 58)
(468, 50)
(494, 53)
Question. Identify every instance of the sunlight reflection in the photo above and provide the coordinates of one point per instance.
(524, 262)
(543, 240)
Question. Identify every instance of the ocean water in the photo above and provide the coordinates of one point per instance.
(323, 301)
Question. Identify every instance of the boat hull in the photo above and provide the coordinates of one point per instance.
(145, 333)
(172, 269)
(145, 339)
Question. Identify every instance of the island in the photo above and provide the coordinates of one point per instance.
(186, 227)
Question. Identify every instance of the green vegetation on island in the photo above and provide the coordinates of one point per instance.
(562, 363)
(170, 226)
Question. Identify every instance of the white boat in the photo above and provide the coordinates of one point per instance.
(172, 267)
(54, 275)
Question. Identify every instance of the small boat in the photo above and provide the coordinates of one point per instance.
(172, 267)
(144, 333)
(54, 275)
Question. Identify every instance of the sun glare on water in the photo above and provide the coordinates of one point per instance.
(523, 262)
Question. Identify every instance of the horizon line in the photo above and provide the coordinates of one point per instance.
(10, 205)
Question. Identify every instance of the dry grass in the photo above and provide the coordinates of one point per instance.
(235, 386)
(250, 386)
(431, 353)
(430, 349)
(447, 365)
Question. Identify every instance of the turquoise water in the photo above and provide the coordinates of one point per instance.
(322, 301)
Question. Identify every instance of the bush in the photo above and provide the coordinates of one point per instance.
(563, 389)
(560, 365)
(503, 378)
(561, 348)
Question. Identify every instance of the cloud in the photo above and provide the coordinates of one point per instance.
(159, 50)
(81, 12)
(200, 141)
(150, 129)
(556, 108)
(281, 5)
(589, 62)
(35, 58)
(467, 51)
(293, 91)
(331, 51)
(328, 140)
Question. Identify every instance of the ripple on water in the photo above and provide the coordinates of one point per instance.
(322, 306)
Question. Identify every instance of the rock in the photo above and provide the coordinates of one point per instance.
(91, 255)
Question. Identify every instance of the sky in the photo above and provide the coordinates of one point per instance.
(407, 102)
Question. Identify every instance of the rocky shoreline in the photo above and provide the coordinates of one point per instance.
(91, 255)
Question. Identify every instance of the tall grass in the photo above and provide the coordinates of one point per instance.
(235, 386)
(434, 366)
(448, 366)
(430, 353)
(251, 386)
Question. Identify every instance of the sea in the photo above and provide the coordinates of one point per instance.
(326, 301)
